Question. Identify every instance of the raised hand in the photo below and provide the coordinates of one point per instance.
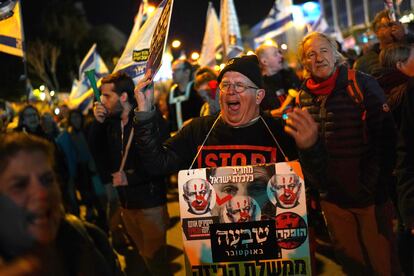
(99, 111)
(301, 126)
(144, 93)
(119, 179)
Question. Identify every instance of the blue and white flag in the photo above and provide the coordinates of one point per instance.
(133, 60)
(279, 19)
(92, 60)
(230, 30)
(320, 25)
(142, 14)
(11, 29)
(212, 42)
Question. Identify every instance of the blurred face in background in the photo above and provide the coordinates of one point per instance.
(272, 60)
(31, 119)
(179, 73)
(388, 31)
(47, 122)
(76, 120)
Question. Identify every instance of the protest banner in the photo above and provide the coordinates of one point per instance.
(245, 220)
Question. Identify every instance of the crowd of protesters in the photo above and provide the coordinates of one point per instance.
(110, 166)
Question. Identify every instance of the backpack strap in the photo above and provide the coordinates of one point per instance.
(357, 96)
(353, 88)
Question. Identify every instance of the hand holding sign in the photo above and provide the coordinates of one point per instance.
(144, 92)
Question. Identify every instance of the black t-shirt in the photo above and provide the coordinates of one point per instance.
(229, 146)
(277, 86)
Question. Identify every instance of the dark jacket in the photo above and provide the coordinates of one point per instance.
(80, 248)
(405, 159)
(85, 249)
(369, 62)
(394, 84)
(225, 146)
(277, 86)
(143, 190)
(359, 141)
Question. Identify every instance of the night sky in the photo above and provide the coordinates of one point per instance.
(188, 17)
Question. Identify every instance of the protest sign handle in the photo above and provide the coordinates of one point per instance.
(90, 74)
(124, 157)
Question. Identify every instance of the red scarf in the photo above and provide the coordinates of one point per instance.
(323, 88)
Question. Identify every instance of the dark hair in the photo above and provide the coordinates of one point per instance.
(377, 19)
(14, 142)
(391, 55)
(76, 111)
(122, 83)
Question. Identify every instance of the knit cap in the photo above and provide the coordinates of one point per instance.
(246, 65)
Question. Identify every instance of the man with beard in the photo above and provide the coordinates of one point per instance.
(142, 197)
(35, 236)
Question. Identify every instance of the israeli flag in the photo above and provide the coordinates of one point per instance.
(230, 30)
(212, 42)
(279, 19)
(92, 60)
(320, 25)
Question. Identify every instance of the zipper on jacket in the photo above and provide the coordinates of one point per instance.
(322, 114)
(122, 154)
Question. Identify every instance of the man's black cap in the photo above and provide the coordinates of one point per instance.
(246, 65)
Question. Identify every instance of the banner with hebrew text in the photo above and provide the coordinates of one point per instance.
(246, 220)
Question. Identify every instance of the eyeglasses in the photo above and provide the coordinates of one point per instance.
(238, 87)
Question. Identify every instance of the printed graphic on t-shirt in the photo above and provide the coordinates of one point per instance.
(235, 155)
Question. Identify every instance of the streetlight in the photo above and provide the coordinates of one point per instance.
(270, 42)
(195, 55)
(176, 44)
(42, 96)
(150, 9)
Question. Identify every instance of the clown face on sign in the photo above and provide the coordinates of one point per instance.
(241, 209)
(286, 190)
(197, 194)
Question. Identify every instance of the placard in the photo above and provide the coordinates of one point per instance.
(249, 220)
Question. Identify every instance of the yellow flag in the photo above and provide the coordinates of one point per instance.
(11, 32)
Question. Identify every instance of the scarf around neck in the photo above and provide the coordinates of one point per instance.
(324, 87)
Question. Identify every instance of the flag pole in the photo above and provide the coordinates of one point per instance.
(25, 70)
